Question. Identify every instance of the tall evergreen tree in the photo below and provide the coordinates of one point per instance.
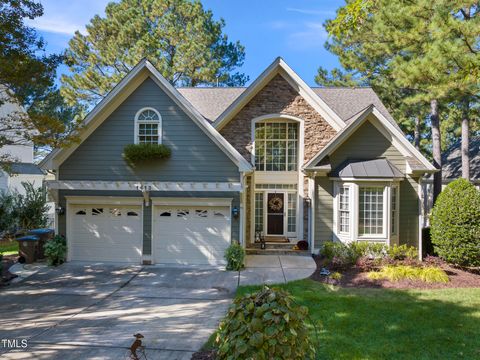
(179, 37)
(422, 47)
(27, 78)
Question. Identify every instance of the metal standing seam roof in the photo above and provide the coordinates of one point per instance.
(377, 168)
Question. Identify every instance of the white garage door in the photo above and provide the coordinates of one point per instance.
(191, 235)
(106, 233)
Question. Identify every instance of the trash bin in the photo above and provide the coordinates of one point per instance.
(43, 236)
(27, 246)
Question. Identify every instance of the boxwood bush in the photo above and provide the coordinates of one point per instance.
(455, 224)
(56, 250)
(135, 153)
(265, 325)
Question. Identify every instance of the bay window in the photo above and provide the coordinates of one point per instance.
(276, 145)
(366, 210)
(370, 212)
(344, 209)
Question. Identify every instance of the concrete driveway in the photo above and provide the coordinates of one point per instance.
(86, 311)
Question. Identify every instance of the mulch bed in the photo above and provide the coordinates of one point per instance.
(355, 278)
(6, 276)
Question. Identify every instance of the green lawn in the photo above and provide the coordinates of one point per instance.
(391, 324)
(9, 249)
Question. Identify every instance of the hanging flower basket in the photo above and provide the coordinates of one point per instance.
(135, 153)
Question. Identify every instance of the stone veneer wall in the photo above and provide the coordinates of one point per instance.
(278, 97)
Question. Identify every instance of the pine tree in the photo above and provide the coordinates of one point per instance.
(179, 37)
(27, 79)
(424, 48)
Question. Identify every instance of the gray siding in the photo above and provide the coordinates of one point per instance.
(147, 210)
(323, 211)
(368, 143)
(409, 212)
(194, 156)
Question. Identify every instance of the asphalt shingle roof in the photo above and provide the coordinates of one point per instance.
(346, 102)
(26, 168)
(452, 160)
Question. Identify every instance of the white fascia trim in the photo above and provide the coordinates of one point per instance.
(47, 162)
(107, 200)
(143, 186)
(338, 139)
(192, 201)
(401, 137)
(210, 131)
(343, 135)
(279, 66)
(224, 145)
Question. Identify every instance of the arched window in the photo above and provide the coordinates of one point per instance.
(148, 127)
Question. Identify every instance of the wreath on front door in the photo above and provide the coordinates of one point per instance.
(275, 203)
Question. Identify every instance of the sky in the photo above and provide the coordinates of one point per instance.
(267, 28)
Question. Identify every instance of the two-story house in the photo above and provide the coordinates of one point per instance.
(277, 158)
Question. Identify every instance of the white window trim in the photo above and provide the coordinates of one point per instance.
(396, 220)
(343, 236)
(354, 208)
(138, 122)
(386, 208)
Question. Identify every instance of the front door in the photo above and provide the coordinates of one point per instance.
(275, 213)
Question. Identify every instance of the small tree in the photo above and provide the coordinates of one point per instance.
(455, 222)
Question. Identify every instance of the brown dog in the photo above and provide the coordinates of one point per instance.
(136, 344)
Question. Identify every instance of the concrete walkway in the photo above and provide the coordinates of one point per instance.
(275, 269)
(90, 311)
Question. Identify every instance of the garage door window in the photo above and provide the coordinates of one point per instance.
(201, 213)
(97, 211)
(166, 213)
(132, 213)
(182, 213)
(81, 212)
(115, 212)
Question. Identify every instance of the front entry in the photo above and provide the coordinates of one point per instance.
(275, 213)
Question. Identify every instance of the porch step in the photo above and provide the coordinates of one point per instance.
(278, 246)
(268, 251)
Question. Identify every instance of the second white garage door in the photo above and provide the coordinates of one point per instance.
(191, 235)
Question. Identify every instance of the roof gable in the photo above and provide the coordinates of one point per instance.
(120, 92)
(279, 67)
(387, 128)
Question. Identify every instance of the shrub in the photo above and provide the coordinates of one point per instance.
(8, 218)
(336, 276)
(455, 224)
(235, 256)
(341, 256)
(366, 264)
(135, 153)
(55, 250)
(402, 252)
(265, 325)
(25, 212)
(32, 208)
(429, 274)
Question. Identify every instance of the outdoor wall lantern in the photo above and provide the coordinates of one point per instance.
(235, 212)
(60, 210)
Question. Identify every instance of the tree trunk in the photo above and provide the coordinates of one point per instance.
(416, 133)
(437, 149)
(465, 142)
